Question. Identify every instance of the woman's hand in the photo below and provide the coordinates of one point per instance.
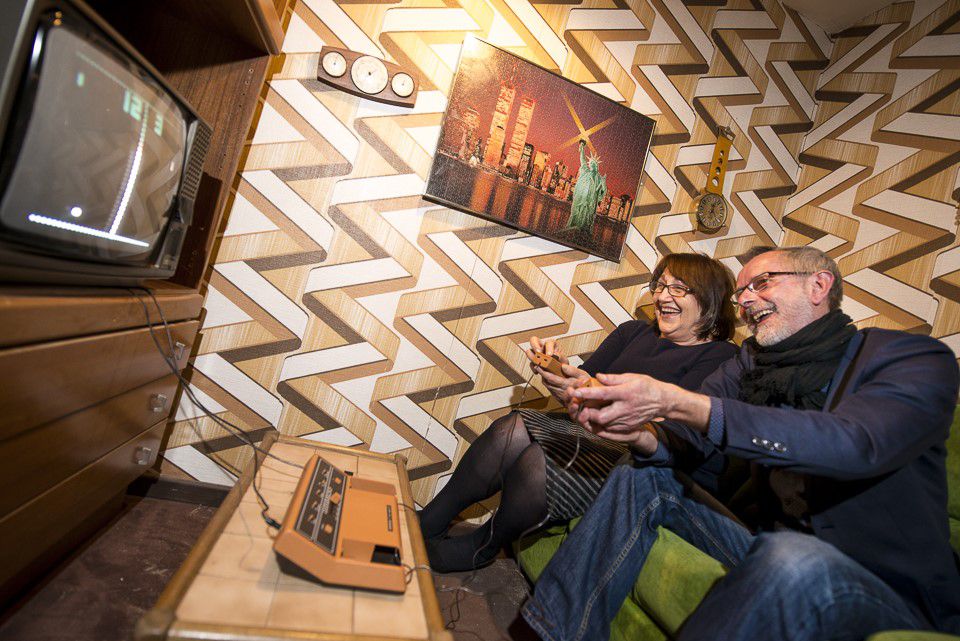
(556, 385)
(549, 347)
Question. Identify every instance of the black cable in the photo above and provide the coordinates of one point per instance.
(546, 518)
(229, 427)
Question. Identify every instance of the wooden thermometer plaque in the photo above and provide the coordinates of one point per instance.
(367, 76)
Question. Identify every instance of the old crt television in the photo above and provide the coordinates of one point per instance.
(100, 159)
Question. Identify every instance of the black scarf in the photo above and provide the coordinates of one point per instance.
(796, 370)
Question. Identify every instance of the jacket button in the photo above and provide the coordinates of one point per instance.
(755, 440)
(779, 447)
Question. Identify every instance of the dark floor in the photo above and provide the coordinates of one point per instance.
(100, 592)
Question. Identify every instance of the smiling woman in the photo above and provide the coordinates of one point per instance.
(546, 466)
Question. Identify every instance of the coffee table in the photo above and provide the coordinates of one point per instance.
(231, 588)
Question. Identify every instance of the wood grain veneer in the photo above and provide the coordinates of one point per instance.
(41, 530)
(38, 459)
(43, 382)
(33, 314)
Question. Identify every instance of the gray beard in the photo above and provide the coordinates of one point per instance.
(767, 338)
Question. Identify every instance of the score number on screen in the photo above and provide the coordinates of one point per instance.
(138, 109)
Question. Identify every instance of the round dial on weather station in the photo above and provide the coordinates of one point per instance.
(334, 64)
(402, 84)
(712, 211)
(369, 74)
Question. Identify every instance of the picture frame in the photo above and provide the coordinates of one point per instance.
(528, 148)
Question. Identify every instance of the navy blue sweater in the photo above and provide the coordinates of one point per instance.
(635, 348)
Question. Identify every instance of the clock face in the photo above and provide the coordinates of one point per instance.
(712, 211)
(334, 63)
(402, 84)
(369, 74)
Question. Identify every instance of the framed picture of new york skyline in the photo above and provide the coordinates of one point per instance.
(525, 147)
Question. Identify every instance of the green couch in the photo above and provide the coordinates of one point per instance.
(676, 575)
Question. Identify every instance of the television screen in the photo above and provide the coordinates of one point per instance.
(100, 156)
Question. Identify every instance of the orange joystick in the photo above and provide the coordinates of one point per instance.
(548, 362)
(594, 403)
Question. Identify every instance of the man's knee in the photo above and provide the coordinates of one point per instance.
(794, 559)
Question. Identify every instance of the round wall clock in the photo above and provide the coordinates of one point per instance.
(711, 211)
(370, 77)
(712, 207)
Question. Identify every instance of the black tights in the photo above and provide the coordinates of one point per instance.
(504, 459)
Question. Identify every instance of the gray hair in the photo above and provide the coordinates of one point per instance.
(807, 259)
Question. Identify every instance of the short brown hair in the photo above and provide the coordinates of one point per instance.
(711, 283)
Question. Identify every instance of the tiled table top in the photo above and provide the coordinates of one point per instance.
(231, 586)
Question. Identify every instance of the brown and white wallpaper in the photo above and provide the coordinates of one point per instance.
(344, 308)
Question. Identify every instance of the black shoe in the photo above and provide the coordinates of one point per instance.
(458, 554)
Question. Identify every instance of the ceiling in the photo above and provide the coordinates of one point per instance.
(836, 15)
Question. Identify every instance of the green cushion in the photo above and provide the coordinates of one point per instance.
(633, 624)
(953, 470)
(911, 635)
(534, 551)
(674, 580)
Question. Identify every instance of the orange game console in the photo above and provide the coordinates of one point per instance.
(342, 530)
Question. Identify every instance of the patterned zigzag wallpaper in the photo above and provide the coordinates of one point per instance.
(342, 307)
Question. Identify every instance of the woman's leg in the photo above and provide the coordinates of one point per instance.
(523, 505)
(479, 475)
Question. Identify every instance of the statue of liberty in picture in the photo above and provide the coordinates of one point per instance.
(590, 189)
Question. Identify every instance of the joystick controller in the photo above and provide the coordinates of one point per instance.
(548, 362)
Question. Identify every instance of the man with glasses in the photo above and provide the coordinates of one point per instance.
(844, 431)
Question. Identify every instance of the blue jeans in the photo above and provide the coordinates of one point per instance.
(783, 585)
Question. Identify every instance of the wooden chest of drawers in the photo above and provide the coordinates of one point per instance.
(85, 395)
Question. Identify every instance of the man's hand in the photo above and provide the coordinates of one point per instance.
(556, 385)
(619, 409)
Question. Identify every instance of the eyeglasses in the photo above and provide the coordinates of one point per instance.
(674, 289)
(760, 282)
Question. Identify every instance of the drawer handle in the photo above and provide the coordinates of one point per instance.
(158, 403)
(142, 455)
(179, 349)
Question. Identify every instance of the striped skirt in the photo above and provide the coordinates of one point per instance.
(571, 487)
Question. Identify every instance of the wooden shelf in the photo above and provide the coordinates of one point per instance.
(81, 379)
(32, 315)
(215, 54)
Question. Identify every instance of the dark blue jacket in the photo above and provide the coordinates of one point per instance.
(874, 459)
